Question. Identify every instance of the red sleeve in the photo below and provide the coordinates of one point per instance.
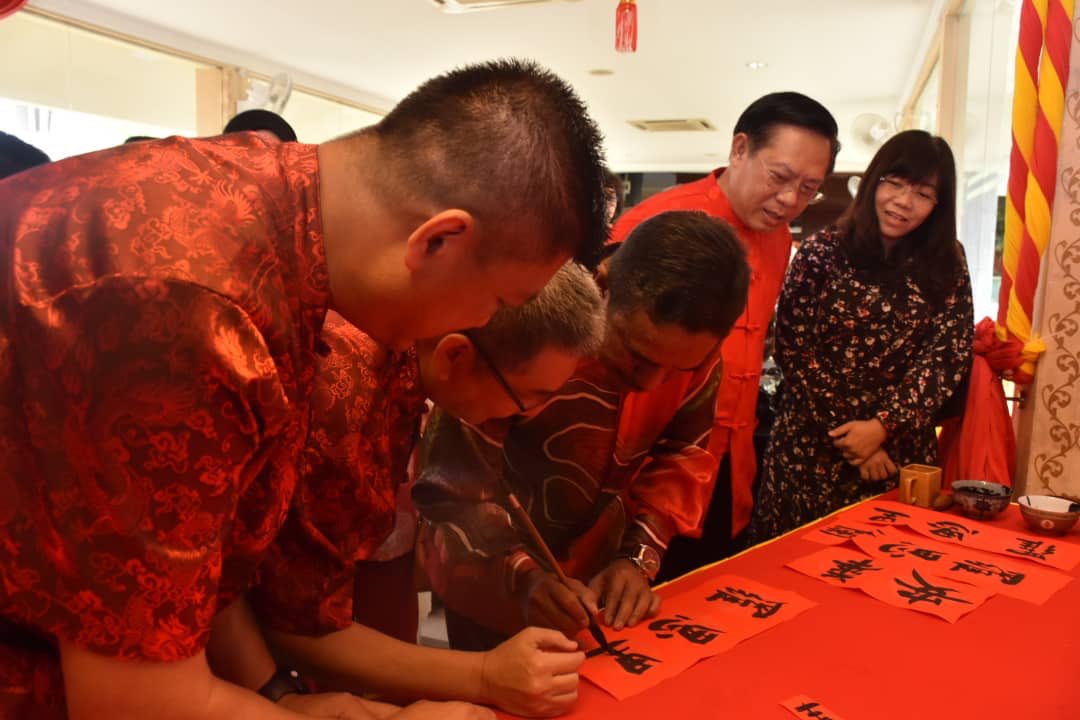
(147, 407)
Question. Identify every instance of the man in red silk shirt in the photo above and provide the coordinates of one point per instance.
(162, 308)
(783, 148)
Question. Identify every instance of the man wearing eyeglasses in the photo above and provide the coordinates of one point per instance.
(344, 552)
(609, 469)
(784, 146)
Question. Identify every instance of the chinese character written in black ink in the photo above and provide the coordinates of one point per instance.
(899, 549)
(698, 634)
(808, 709)
(632, 662)
(926, 592)
(1031, 549)
(951, 530)
(844, 570)
(743, 598)
(887, 515)
(980, 568)
(843, 531)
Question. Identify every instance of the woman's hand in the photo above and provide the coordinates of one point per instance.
(859, 439)
(877, 467)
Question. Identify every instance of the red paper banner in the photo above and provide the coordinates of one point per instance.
(958, 530)
(895, 582)
(1013, 578)
(914, 589)
(840, 531)
(803, 707)
(703, 621)
(838, 566)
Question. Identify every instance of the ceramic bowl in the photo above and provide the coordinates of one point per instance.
(981, 499)
(1047, 513)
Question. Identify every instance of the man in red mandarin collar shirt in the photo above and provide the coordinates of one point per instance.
(783, 148)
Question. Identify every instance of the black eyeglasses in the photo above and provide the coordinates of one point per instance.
(495, 371)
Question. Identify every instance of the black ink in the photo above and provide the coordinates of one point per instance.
(1030, 548)
(845, 570)
(989, 569)
(698, 634)
(888, 515)
(898, 550)
(632, 662)
(951, 530)
(926, 592)
(743, 598)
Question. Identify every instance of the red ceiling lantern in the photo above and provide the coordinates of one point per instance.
(10, 7)
(626, 26)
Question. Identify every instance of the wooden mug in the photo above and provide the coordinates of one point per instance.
(921, 485)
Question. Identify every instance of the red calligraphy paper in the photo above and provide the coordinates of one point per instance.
(804, 707)
(661, 647)
(838, 566)
(1013, 578)
(840, 531)
(916, 589)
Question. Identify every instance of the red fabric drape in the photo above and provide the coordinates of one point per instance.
(981, 444)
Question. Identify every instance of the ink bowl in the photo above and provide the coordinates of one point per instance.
(981, 499)
(1047, 513)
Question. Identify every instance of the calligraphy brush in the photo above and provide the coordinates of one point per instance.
(523, 516)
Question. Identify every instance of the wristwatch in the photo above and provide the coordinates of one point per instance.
(284, 681)
(647, 560)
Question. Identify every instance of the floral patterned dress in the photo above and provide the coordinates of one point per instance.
(852, 348)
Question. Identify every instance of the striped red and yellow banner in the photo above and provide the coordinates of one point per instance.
(1042, 71)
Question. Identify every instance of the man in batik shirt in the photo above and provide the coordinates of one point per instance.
(163, 304)
(610, 468)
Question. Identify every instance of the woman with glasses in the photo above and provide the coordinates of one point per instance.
(873, 335)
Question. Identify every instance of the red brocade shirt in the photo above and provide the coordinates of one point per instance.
(742, 351)
(162, 303)
(365, 413)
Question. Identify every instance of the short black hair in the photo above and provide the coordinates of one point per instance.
(16, 155)
(508, 141)
(764, 115)
(139, 138)
(683, 268)
(258, 119)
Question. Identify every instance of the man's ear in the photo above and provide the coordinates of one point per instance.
(448, 232)
(740, 148)
(453, 357)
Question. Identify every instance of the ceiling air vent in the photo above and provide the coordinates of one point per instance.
(462, 6)
(679, 125)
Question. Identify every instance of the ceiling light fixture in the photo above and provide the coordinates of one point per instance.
(455, 7)
(756, 65)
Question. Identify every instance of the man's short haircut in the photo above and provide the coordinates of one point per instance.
(764, 115)
(683, 268)
(567, 314)
(16, 155)
(511, 143)
(259, 119)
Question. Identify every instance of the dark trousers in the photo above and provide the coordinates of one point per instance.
(464, 634)
(688, 554)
